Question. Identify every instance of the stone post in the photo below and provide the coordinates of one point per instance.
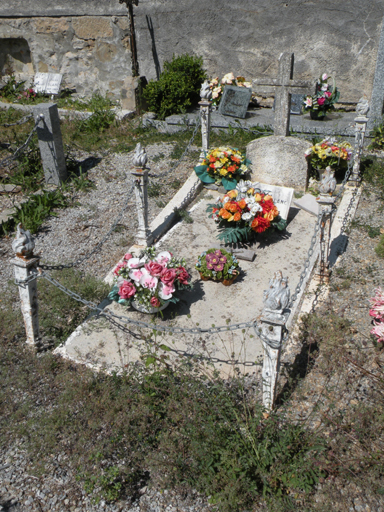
(205, 116)
(326, 210)
(143, 237)
(360, 129)
(50, 143)
(271, 331)
(25, 267)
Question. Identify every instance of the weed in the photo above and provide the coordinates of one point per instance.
(158, 157)
(160, 203)
(372, 169)
(378, 137)
(182, 215)
(154, 189)
(379, 249)
(175, 184)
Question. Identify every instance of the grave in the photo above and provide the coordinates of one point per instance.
(235, 101)
(50, 143)
(47, 83)
(103, 343)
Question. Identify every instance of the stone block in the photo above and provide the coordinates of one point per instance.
(309, 204)
(279, 160)
(90, 27)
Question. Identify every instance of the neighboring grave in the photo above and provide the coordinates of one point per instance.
(50, 143)
(235, 101)
(278, 160)
(47, 83)
(283, 87)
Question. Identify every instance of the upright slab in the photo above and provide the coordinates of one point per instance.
(51, 143)
(103, 343)
(278, 160)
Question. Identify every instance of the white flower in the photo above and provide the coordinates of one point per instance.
(225, 200)
(163, 257)
(243, 186)
(247, 216)
(250, 200)
(324, 76)
(324, 87)
(256, 208)
(165, 292)
(308, 152)
(136, 262)
(136, 274)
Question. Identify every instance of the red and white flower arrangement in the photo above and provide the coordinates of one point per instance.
(151, 280)
(377, 312)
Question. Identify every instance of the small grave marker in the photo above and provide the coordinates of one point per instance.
(282, 197)
(235, 101)
(296, 104)
(48, 83)
(50, 143)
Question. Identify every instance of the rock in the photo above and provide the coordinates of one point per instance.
(278, 160)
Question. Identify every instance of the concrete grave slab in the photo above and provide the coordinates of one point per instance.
(209, 303)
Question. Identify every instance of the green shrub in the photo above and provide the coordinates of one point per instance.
(378, 137)
(379, 249)
(178, 86)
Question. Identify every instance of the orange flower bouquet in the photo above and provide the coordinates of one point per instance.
(245, 211)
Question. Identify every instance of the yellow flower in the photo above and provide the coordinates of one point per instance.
(224, 160)
(223, 172)
(230, 218)
(232, 193)
(267, 197)
(257, 198)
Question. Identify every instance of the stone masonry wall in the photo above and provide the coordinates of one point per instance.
(247, 37)
(92, 52)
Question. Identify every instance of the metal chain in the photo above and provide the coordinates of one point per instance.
(21, 121)
(102, 241)
(22, 147)
(157, 176)
(23, 282)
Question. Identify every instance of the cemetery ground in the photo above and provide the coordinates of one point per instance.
(73, 439)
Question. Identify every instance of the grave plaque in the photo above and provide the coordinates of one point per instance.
(282, 197)
(48, 83)
(296, 104)
(235, 101)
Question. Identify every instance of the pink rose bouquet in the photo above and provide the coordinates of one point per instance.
(326, 95)
(152, 279)
(377, 312)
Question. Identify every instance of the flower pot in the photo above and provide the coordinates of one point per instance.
(317, 115)
(203, 278)
(226, 282)
(148, 309)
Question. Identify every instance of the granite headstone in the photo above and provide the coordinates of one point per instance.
(235, 101)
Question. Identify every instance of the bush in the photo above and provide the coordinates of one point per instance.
(178, 86)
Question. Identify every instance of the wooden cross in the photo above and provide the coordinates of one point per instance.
(283, 87)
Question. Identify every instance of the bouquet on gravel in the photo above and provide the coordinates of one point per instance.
(377, 312)
(326, 95)
(218, 265)
(245, 211)
(329, 152)
(150, 280)
(223, 165)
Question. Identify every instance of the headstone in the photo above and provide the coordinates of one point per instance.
(235, 101)
(296, 104)
(278, 160)
(283, 87)
(282, 197)
(309, 204)
(48, 83)
(50, 143)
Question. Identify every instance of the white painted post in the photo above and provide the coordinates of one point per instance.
(205, 116)
(360, 129)
(325, 202)
(270, 331)
(143, 237)
(25, 267)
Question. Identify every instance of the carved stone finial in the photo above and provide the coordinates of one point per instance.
(362, 106)
(276, 298)
(328, 182)
(205, 91)
(23, 244)
(140, 158)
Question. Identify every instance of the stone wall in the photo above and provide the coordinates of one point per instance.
(247, 37)
(91, 51)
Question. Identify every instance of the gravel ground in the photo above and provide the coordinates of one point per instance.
(77, 230)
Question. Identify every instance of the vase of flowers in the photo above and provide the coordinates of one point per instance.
(223, 166)
(245, 211)
(217, 86)
(149, 282)
(329, 153)
(324, 99)
(218, 265)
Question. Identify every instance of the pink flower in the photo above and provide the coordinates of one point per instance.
(182, 275)
(324, 76)
(154, 268)
(378, 331)
(118, 267)
(164, 257)
(127, 290)
(155, 303)
(165, 291)
(136, 274)
(328, 94)
(321, 101)
(148, 281)
(128, 256)
(168, 276)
